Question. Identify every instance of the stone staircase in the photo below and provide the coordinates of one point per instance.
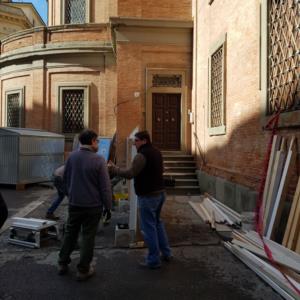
(181, 167)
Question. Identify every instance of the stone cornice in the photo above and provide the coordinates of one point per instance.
(63, 28)
(41, 50)
(161, 23)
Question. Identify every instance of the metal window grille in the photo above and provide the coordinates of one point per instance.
(13, 110)
(160, 80)
(75, 11)
(216, 96)
(283, 56)
(73, 110)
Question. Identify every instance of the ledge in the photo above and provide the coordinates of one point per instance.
(289, 119)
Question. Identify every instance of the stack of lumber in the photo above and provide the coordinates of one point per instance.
(281, 164)
(284, 272)
(214, 212)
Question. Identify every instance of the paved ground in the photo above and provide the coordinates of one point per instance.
(202, 268)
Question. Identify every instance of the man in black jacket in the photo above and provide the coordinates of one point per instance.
(3, 211)
(147, 171)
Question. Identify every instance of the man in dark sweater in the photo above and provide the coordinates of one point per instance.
(88, 187)
(147, 171)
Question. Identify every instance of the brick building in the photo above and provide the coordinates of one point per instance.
(246, 69)
(109, 65)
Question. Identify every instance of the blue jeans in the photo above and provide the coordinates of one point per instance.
(153, 228)
(59, 198)
(58, 183)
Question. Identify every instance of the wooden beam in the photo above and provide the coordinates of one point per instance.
(275, 148)
(291, 216)
(295, 229)
(274, 183)
(282, 191)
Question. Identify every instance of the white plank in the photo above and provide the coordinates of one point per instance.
(282, 190)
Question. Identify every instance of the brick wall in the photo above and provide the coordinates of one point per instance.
(132, 61)
(238, 155)
(167, 9)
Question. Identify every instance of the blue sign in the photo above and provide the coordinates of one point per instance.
(104, 145)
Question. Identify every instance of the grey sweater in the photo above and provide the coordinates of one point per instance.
(87, 180)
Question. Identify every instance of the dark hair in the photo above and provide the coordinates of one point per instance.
(87, 136)
(143, 135)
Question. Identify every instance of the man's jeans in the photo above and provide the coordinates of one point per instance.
(153, 228)
(61, 192)
(84, 220)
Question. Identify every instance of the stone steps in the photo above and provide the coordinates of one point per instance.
(181, 167)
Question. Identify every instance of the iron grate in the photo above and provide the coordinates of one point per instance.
(75, 11)
(73, 111)
(13, 110)
(217, 70)
(284, 56)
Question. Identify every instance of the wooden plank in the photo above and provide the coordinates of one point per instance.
(249, 262)
(282, 191)
(295, 228)
(276, 248)
(274, 185)
(297, 250)
(260, 252)
(196, 207)
(291, 216)
(275, 148)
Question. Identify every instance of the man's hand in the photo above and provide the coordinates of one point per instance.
(106, 217)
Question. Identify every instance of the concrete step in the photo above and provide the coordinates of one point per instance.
(190, 175)
(178, 157)
(180, 163)
(183, 190)
(186, 182)
(180, 169)
(164, 153)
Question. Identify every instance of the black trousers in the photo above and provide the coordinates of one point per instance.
(3, 211)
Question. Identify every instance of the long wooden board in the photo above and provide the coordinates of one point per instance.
(295, 230)
(282, 191)
(275, 148)
(291, 216)
(275, 182)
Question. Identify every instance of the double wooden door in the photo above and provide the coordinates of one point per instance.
(166, 121)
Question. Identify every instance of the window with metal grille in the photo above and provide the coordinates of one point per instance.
(14, 110)
(72, 110)
(217, 96)
(75, 11)
(283, 56)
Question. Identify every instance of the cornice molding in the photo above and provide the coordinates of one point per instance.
(41, 50)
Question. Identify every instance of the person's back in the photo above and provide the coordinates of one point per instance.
(88, 187)
(86, 180)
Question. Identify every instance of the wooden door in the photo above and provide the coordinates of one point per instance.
(166, 121)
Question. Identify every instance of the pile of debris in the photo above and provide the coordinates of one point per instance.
(274, 256)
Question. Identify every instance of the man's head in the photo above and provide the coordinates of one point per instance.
(141, 138)
(89, 137)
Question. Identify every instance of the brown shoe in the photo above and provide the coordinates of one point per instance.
(85, 276)
(63, 269)
(52, 216)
